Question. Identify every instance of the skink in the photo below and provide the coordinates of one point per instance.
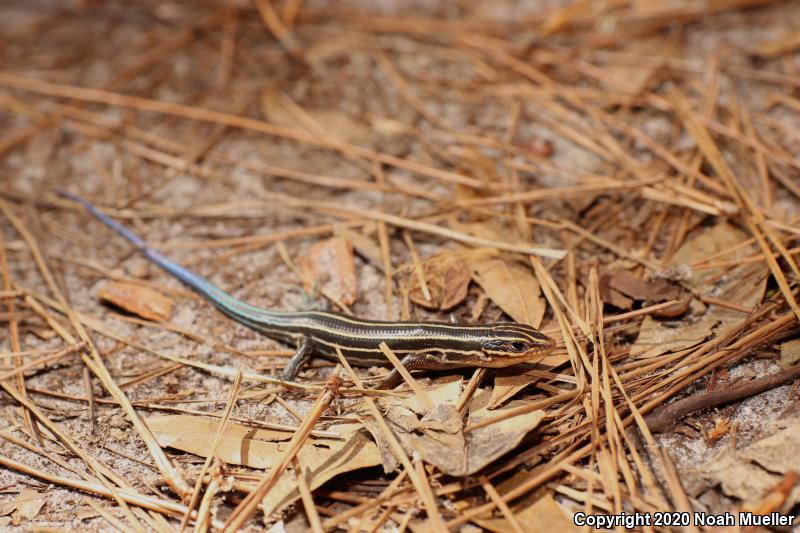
(421, 345)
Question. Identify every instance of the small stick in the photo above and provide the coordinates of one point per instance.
(87, 381)
(502, 505)
(248, 506)
(226, 414)
(41, 360)
(407, 376)
(667, 417)
(435, 522)
(127, 495)
(469, 390)
(305, 496)
(418, 269)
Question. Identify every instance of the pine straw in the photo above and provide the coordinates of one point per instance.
(590, 150)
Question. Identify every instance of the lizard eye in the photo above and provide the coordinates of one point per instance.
(518, 346)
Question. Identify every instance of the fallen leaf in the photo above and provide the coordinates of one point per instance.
(790, 352)
(29, 503)
(778, 47)
(776, 498)
(365, 246)
(138, 300)
(324, 458)
(656, 338)
(86, 513)
(439, 437)
(537, 513)
(279, 109)
(638, 289)
(330, 262)
(753, 471)
(447, 278)
(743, 285)
(490, 442)
(474, 162)
(633, 79)
(353, 451)
(612, 296)
(240, 445)
(695, 250)
(341, 126)
(511, 286)
(506, 386)
(329, 123)
(443, 394)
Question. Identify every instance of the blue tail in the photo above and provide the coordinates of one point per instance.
(223, 301)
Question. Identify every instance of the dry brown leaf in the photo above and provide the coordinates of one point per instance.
(506, 386)
(324, 458)
(353, 451)
(790, 352)
(783, 45)
(438, 436)
(365, 246)
(488, 229)
(329, 123)
(28, 503)
(621, 289)
(751, 472)
(325, 49)
(614, 297)
(656, 338)
(537, 513)
(277, 109)
(447, 278)
(490, 442)
(511, 286)
(86, 513)
(330, 262)
(638, 289)
(776, 498)
(340, 126)
(240, 445)
(474, 162)
(633, 79)
(412, 406)
(138, 300)
(744, 285)
(720, 237)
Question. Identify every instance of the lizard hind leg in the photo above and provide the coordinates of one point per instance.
(304, 349)
(412, 361)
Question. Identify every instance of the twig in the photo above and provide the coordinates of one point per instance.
(435, 519)
(248, 505)
(667, 417)
(398, 365)
(129, 496)
(232, 396)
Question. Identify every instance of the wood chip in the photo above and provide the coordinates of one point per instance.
(138, 300)
(330, 263)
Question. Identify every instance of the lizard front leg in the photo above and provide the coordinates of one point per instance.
(304, 349)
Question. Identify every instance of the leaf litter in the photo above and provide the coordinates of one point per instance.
(622, 176)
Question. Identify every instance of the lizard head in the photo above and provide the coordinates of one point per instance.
(510, 344)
